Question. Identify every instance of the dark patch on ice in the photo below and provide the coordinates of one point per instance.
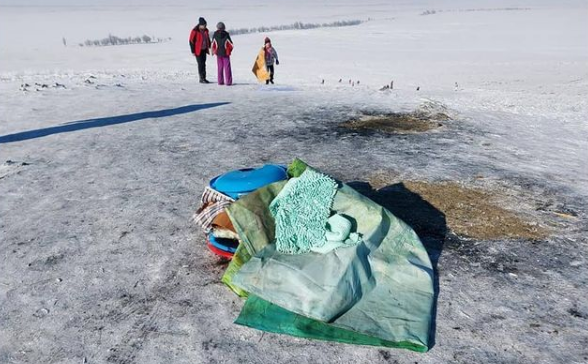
(185, 303)
(387, 356)
(11, 167)
(505, 264)
(54, 259)
(578, 314)
(209, 344)
(41, 313)
(556, 207)
(12, 163)
(418, 121)
(324, 125)
(469, 212)
(462, 248)
(42, 264)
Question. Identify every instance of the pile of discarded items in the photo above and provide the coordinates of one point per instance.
(316, 259)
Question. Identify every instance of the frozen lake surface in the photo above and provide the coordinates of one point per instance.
(104, 156)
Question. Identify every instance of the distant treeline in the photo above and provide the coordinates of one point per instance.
(112, 40)
(430, 12)
(297, 25)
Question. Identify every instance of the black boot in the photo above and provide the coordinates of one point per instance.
(267, 82)
(272, 81)
(203, 78)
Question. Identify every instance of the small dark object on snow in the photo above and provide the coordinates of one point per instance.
(392, 85)
(575, 313)
(340, 80)
(40, 313)
(358, 82)
(385, 87)
(418, 88)
(323, 82)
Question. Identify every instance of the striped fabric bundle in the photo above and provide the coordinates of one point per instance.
(212, 204)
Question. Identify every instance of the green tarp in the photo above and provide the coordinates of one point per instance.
(379, 292)
(262, 315)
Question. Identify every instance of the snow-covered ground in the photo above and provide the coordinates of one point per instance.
(98, 259)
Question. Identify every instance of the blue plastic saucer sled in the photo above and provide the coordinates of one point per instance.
(227, 245)
(243, 181)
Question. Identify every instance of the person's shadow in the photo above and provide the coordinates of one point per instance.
(426, 220)
(105, 121)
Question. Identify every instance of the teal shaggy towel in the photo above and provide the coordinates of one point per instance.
(301, 211)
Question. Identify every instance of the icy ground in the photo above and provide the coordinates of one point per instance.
(99, 262)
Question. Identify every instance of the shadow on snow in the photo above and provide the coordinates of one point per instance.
(107, 121)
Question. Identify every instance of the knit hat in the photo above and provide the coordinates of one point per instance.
(220, 25)
(201, 21)
(267, 40)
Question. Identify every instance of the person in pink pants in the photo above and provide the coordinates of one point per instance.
(222, 46)
(224, 74)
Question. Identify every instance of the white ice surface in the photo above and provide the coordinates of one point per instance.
(106, 209)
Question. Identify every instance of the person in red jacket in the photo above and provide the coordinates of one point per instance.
(222, 46)
(200, 47)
